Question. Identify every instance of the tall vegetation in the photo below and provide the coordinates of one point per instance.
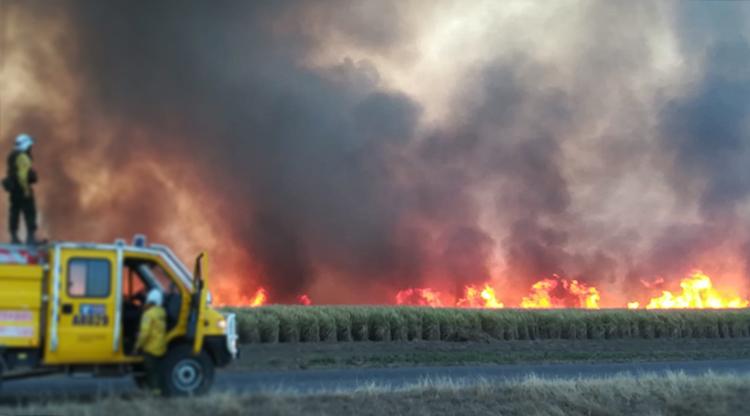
(272, 324)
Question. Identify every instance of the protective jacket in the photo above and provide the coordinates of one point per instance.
(152, 336)
(20, 173)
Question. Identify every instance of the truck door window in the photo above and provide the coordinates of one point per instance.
(89, 278)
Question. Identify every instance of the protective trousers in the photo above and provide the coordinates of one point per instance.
(21, 204)
(151, 365)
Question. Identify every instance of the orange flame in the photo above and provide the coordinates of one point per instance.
(225, 297)
(541, 297)
(260, 298)
(697, 292)
(588, 296)
(573, 292)
(419, 297)
(304, 300)
(474, 298)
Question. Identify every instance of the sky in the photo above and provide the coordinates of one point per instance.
(351, 149)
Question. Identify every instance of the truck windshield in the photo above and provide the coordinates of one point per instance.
(182, 272)
(157, 277)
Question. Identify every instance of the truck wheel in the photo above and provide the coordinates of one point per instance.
(2, 368)
(185, 374)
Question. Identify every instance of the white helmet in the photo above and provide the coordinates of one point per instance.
(154, 297)
(24, 142)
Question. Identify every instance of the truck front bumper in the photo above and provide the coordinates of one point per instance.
(224, 348)
(233, 337)
(216, 346)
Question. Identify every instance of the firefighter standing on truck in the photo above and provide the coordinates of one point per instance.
(152, 340)
(20, 176)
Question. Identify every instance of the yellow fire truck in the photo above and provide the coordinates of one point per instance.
(76, 307)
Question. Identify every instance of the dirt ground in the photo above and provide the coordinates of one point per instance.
(387, 354)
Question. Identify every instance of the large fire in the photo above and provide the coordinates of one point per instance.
(260, 298)
(473, 297)
(573, 294)
(223, 297)
(419, 297)
(476, 298)
(697, 291)
(555, 292)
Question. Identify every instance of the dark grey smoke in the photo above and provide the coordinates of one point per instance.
(522, 163)
(301, 164)
(707, 131)
(705, 138)
(327, 174)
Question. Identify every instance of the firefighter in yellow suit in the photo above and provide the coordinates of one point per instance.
(18, 180)
(152, 340)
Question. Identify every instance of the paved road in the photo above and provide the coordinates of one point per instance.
(308, 381)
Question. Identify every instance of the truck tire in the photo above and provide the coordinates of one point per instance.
(185, 374)
(2, 368)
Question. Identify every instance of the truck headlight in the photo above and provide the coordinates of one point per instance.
(222, 324)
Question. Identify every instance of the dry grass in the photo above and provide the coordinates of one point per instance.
(274, 324)
(674, 394)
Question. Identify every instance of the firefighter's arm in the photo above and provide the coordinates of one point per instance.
(23, 164)
(144, 332)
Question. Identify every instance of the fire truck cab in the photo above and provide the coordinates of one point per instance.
(76, 307)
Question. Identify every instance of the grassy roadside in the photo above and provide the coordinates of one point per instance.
(648, 395)
(378, 354)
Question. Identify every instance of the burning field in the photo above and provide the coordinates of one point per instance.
(696, 292)
(416, 153)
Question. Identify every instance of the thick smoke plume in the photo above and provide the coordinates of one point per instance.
(352, 149)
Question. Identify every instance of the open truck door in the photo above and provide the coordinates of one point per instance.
(198, 303)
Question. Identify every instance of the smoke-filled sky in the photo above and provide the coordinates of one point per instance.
(349, 149)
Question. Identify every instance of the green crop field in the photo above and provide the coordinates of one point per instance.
(292, 324)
